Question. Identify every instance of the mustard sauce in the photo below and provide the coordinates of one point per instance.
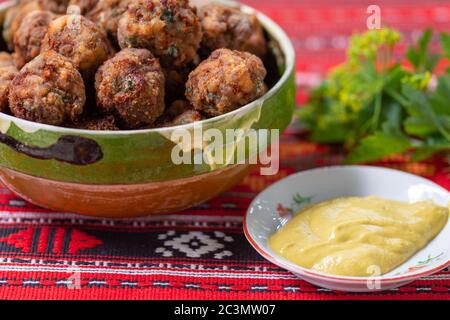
(351, 236)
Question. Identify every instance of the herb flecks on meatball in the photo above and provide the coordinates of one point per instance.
(7, 73)
(131, 86)
(227, 27)
(227, 80)
(28, 38)
(170, 29)
(48, 90)
(80, 40)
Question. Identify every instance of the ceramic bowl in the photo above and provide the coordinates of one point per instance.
(273, 208)
(131, 173)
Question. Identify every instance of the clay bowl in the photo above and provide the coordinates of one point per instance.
(131, 173)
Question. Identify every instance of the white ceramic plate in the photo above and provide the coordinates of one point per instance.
(273, 208)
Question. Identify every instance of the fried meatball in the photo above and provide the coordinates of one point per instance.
(175, 109)
(27, 39)
(14, 17)
(6, 59)
(85, 6)
(106, 123)
(107, 13)
(80, 40)
(175, 83)
(7, 73)
(180, 112)
(48, 90)
(170, 29)
(227, 80)
(131, 86)
(186, 117)
(226, 27)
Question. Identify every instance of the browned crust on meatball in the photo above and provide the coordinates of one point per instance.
(131, 86)
(14, 17)
(106, 14)
(6, 59)
(28, 38)
(176, 79)
(226, 27)
(177, 108)
(186, 117)
(174, 110)
(48, 90)
(80, 40)
(7, 73)
(180, 114)
(105, 123)
(227, 80)
(170, 29)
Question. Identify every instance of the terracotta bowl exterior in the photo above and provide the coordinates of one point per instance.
(128, 200)
(131, 173)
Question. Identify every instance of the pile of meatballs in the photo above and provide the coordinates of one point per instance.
(128, 64)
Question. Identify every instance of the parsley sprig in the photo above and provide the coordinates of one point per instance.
(376, 106)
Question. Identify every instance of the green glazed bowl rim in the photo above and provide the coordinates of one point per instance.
(269, 25)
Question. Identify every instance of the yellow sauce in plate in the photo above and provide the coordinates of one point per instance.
(358, 236)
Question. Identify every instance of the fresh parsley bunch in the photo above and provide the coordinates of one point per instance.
(378, 107)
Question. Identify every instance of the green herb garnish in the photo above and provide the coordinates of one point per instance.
(378, 107)
(133, 41)
(64, 96)
(172, 51)
(167, 16)
(128, 85)
(211, 96)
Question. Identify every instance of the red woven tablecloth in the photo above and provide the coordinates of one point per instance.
(42, 253)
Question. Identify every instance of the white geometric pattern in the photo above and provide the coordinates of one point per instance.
(194, 244)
